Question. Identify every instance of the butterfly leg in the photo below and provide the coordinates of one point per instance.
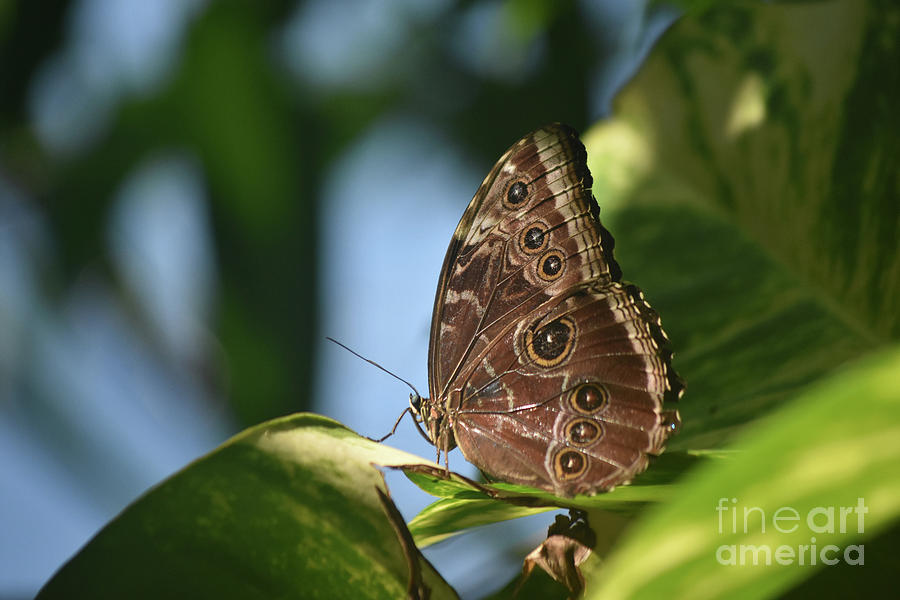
(446, 459)
(393, 429)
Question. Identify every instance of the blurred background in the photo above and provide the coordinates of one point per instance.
(194, 193)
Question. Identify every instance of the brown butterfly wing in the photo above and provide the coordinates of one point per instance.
(530, 265)
(570, 399)
(488, 275)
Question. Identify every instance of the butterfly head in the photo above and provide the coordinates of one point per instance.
(415, 405)
(419, 417)
(426, 417)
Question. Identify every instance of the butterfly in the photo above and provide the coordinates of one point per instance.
(544, 368)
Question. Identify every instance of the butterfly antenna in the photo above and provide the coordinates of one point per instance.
(373, 363)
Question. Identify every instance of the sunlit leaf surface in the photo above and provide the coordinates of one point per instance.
(749, 176)
(806, 491)
(286, 509)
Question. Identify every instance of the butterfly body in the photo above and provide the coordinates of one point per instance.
(544, 368)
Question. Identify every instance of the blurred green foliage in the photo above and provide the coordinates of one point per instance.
(265, 139)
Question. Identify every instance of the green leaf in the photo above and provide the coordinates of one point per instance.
(749, 178)
(815, 452)
(444, 518)
(465, 504)
(289, 508)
